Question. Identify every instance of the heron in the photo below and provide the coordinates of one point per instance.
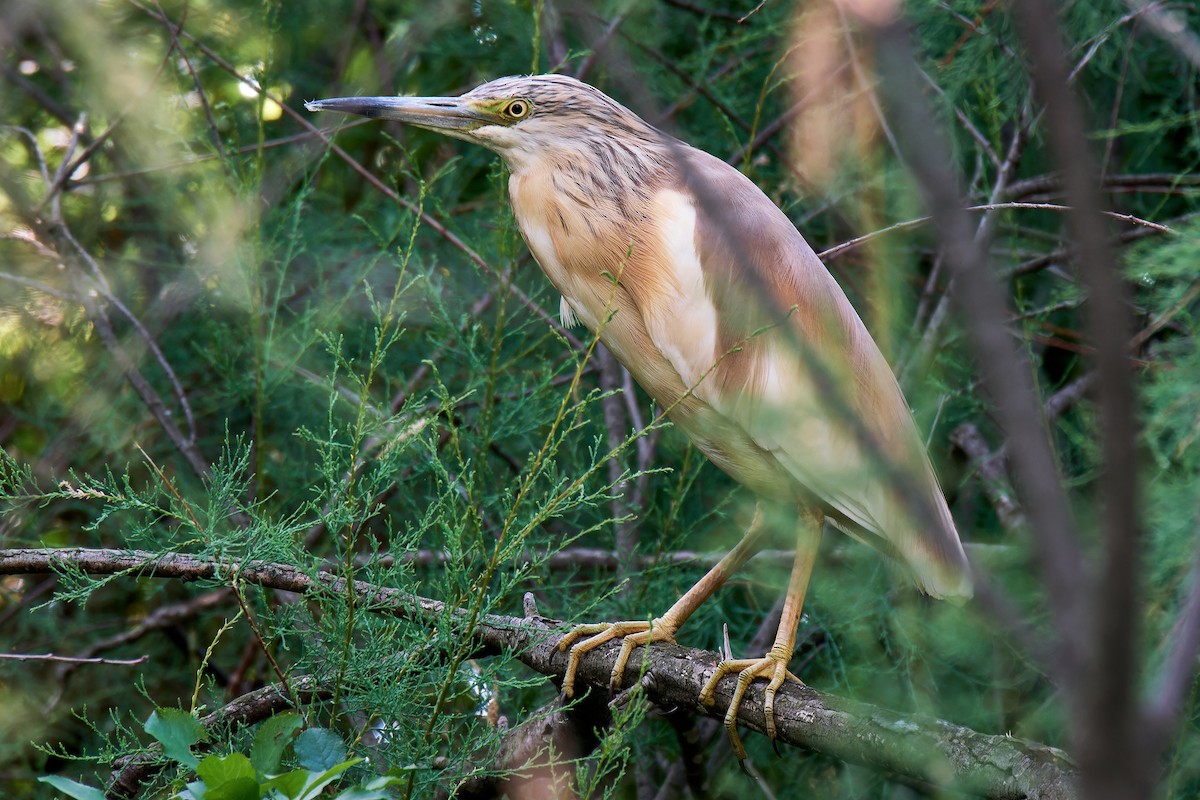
(712, 299)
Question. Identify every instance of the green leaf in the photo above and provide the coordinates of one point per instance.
(273, 736)
(375, 789)
(237, 789)
(301, 784)
(72, 788)
(318, 782)
(319, 749)
(362, 793)
(193, 791)
(219, 770)
(289, 784)
(177, 731)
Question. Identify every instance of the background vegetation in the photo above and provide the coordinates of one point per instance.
(225, 335)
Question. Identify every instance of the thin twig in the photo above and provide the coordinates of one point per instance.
(1171, 27)
(839, 249)
(117, 662)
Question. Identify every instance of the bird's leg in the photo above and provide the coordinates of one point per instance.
(661, 629)
(772, 666)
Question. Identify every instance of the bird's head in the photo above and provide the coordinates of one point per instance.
(521, 118)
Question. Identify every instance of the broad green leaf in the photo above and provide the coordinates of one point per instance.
(72, 788)
(177, 731)
(319, 749)
(219, 770)
(362, 793)
(289, 784)
(319, 782)
(376, 789)
(237, 789)
(273, 736)
(194, 790)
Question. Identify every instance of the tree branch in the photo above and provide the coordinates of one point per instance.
(916, 747)
(1006, 370)
(1108, 729)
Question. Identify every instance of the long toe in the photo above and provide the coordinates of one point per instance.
(772, 668)
(632, 632)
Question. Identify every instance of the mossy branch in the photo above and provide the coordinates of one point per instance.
(917, 747)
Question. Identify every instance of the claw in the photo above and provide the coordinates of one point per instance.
(632, 634)
(772, 667)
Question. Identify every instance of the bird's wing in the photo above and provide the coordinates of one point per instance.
(796, 368)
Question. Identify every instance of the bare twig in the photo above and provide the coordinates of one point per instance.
(966, 123)
(599, 43)
(1053, 184)
(983, 235)
(709, 13)
(56, 109)
(1171, 27)
(91, 284)
(213, 130)
(990, 468)
(616, 422)
(118, 662)
(1160, 321)
(839, 249)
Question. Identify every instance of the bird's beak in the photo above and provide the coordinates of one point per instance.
(445, 114)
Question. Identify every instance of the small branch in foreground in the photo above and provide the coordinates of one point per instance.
(915, 746)
(1005, 368)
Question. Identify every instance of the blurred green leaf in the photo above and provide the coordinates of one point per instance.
(320, 749)
(271, 739)
(176, 731)
(73, 789)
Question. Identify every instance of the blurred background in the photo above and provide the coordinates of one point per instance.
(221, 334)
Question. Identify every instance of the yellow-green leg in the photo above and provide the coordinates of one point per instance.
(661, 629)
(772, 666)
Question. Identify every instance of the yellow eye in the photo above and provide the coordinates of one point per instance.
(517, 109)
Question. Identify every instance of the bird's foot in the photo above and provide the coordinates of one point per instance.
(773, 667)
(631, 633)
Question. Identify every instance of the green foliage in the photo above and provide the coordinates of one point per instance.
(371, 399)
(176, 731)
(320, 755)
(271, 739)
(72, 788)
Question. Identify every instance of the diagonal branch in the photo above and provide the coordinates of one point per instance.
(1107, 724)
(1006, 370)
(917, 747)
